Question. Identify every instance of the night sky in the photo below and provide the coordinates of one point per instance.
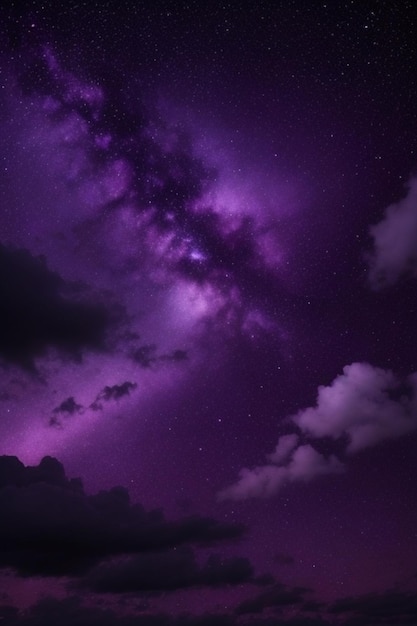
(208, 313)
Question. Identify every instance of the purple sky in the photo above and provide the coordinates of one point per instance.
(208, 262)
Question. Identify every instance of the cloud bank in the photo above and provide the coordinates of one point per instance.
(49, 526)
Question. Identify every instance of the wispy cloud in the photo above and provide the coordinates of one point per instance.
(394, 253)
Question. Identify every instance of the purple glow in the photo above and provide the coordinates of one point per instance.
(207, 297)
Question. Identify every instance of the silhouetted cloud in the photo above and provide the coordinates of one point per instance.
(67, 408)
(49, 526)
(376, 609)
(35, 315)
(115, 392)
(112, 392)
(276, 598)
(146, 356)
(72, 611)
(166, 571)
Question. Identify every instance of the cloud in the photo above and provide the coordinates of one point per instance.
(285, 446)
(365, 406)
(264, 481)
(394, 252)
(35, 315)
(113, 392)
(146, 356)
(276, 598)
(365, 403)
(50, 471)
(389, 607)
(70, 407)
(72, 611)
(50, 527)
(67, 408)
(166, 571)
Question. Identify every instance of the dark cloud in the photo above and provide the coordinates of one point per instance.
(13, 473)
(8, 614)
(377, 609)
(36, 312)
(145, 355)
(72, 612)
(115, 392)
(233, 571)
(68, 407)
(276, 598)
(264, 580)
(112, 392)
(49, 526)
(166, 571)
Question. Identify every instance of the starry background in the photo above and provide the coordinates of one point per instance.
(208, 261)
